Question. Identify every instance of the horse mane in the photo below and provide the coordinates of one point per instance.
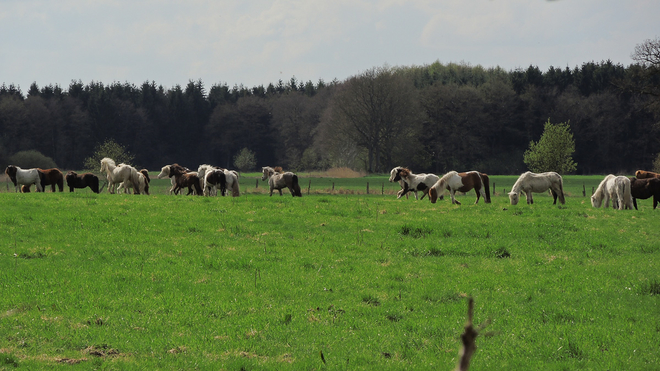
(108, 161)
(278, 169)
(404, 172)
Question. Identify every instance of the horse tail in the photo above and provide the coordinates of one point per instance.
(94, 184)
(486, 184)
(235, 187)
(561, 190)
(198, 188)
(295, 186)
(627, 194)
(135, 179)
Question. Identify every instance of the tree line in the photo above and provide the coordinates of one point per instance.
(430, 118)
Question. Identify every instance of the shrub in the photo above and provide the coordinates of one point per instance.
(30, 159)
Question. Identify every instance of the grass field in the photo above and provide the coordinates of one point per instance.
(339, 280)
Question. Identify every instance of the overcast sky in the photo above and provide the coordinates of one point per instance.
(255, 42)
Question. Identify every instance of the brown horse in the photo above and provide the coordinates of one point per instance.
(73, 180)
(645, 188)
(184, 179)
(52, 177)
(461, 182)
(643, 174)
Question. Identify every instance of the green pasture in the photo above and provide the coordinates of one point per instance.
(338, 281)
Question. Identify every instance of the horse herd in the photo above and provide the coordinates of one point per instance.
(621, 190)
(205, 181)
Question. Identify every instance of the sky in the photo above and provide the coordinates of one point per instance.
(257, 42)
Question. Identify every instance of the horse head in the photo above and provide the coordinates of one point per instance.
(267, 172)
(164, 172)
(514, 197)
(106, 163)
(394, 174)
(11, 173)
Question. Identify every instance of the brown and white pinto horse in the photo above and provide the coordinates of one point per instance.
(394, 174)
(73, 180)
(52, 177)
(645, 188)
(417, 182)
(278, 180)
(461, 182)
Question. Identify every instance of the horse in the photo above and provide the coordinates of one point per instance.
(27, 177)
(184, 179)
(73, 180)
(212, 179)
(616, 188)
(117, 174)
(645, 188)
(530, 182)
(643, 174)
(394, 177)
(143, 180)
(461, 182)
(52, 177)
(167, 172)
(417, 182)
(278, 180)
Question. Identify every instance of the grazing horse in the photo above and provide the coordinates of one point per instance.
(645, 188)
(461, 182)
(143, 180)
(117, 174)
(615, 188)
(530, 182)
(184, 179)
(73, 180)
(643, 174)
(278, 180)
(417, 182)
(394, 177)
(213, 179)
(27, 177)
(52, 177)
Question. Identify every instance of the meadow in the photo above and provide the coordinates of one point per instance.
(338, 279)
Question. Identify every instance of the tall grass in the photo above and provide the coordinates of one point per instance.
(368, 281)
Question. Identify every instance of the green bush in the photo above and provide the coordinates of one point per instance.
(31, 159)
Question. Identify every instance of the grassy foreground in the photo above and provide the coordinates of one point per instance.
(341, 281)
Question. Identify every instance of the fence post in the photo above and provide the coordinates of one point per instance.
(367, 187)
(494, 189)
(584, 191)
(333, 186)
(382, 188)
(256, 185)
(309, 186)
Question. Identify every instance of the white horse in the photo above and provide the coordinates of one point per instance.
(538, 183)
(143, 180)
(278, 180)
(117, 174)
(616, 188)
(165, 173)
(417, 182)
(27, 177)
(404, 186)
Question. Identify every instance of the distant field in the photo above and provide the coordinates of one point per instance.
(339, 281)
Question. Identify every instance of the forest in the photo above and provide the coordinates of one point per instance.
(431, 118)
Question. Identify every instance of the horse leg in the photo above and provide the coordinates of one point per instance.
(655, 202)
(635, 203)
(528, 195)
(452, 194)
